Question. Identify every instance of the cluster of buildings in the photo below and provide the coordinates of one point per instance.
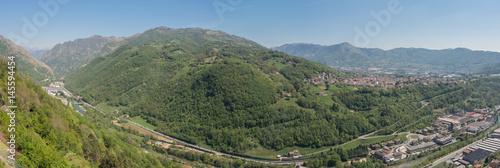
(386, 68)
(479, 152)
(389, 151)
(397, 149)
(439, 134)
(323, 78)
(429, 142)
(55, 89)
(471, 122)
(373, 80)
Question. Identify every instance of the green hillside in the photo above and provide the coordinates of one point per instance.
(50, 134)
(210, 88)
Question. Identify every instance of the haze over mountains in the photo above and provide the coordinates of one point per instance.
(24, 60)
(399, 60)
(37, 52)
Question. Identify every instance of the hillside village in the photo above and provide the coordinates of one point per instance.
(382, 81)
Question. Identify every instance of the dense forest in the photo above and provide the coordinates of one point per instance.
(232, 94)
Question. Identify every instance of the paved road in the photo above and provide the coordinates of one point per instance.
(453, 154)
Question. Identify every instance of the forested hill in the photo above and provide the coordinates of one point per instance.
(230, 93)
(26, 63)
(494, 69)
(69, 56)
(50, 134)
(459, 60)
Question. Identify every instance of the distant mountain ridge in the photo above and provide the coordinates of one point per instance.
(459, 60)
(37, 52)
(24, 60)
(69, 56)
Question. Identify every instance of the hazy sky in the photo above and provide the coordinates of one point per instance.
(418, 23)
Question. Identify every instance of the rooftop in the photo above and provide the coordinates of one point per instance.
(477, 155)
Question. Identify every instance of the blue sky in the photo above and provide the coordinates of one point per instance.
(422, 24)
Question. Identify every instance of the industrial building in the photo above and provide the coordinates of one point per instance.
(490, 144)
(476, 156)
(495, 135)
(421, 147)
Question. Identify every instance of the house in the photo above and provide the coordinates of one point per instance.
(427, 139)
(398, 141)
(292, 154)
(288, 95)
(116, 111)
(383, 155)
(126, 116)
(477, 166)
(374, 146)
(390, 143)
(385, 148)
